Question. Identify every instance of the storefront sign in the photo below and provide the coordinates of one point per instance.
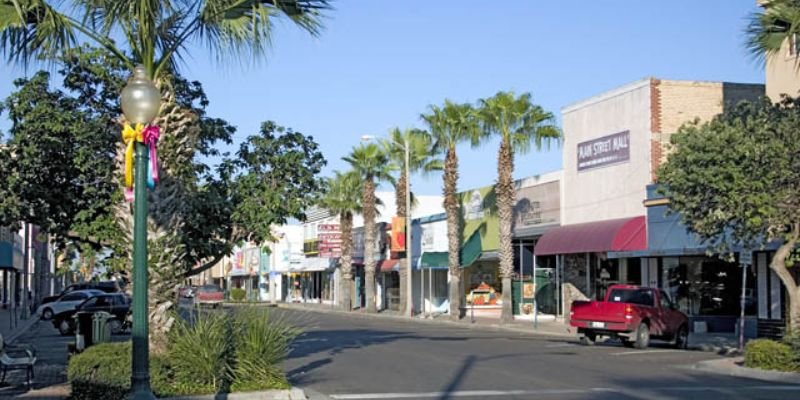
(606, 150)
(537, 205)
(328, 228)
(398, 234)
(528, 290)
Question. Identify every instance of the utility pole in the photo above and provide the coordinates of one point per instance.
(409, 253)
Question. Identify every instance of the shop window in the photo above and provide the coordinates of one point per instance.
(708, 286)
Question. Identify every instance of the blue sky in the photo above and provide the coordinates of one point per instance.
(380, 63)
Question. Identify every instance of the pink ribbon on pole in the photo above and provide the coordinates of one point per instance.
(151, 135)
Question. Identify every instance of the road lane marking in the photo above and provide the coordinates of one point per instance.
(627, 353)
(544, 392)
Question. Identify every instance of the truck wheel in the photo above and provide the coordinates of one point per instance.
(642, 336)
(682, 338)
(588, 339)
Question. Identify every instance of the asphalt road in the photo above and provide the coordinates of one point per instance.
(352, 357)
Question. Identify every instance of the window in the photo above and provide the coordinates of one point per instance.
(74, 297)
(643, 297)
(89, 303)
(666, 303)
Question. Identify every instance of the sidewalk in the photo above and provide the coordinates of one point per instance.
(733, 367)
(50, 372)
(12, 325)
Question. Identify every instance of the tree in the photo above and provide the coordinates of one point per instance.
(734, 181)
(421, 158)
(200, 213)
(371, 164)
(449, 126)
(769, 29)
(518, 123)
(343, 198)
(155, 34)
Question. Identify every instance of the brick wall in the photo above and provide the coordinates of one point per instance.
(675, 103)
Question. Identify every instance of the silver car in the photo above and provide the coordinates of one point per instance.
(66, 302)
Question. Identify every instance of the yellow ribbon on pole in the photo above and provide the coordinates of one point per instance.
(131, 135)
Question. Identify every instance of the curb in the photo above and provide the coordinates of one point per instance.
(290, 394)
(25, 326)
(730, 367)
(464, 323)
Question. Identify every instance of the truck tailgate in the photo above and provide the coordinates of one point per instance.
(598, 311)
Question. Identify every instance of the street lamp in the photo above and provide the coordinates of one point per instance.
(409, 280)
(140, 100)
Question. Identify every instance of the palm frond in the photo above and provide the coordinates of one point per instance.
(768, 30)
(32, 29)
(518, 121)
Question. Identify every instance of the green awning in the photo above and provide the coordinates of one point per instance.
(471, 250)
(434, 260)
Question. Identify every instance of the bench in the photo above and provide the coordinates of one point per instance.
(16, 357)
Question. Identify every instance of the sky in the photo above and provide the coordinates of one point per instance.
(379, 64)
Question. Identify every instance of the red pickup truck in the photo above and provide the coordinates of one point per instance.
(633, 314)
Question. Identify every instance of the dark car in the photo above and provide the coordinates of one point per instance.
(105, 286)
(116, 304)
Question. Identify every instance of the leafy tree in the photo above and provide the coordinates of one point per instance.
(518, 123)
(199, 212)
(421, 158)
(343, 198)
(450, 125)
(371, 164)
(735, 179)
(768, 30)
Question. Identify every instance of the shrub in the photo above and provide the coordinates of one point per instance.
(103, 371)
(238, 294)
(200, 351)
(769, 354)
(261, 343)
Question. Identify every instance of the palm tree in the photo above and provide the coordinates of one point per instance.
(419, 146)
(344, 198)
(371, 164)
(777, 24)
(155, 34)
(518, 123)
(450, 125)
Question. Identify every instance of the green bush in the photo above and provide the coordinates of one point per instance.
(238, 294)
(769, 354)
(215, 352)
(200, 351)
(261, 343)
(104, 372)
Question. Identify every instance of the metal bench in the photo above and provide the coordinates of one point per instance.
(16, 357)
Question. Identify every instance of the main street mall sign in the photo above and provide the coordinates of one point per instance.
(611, 149)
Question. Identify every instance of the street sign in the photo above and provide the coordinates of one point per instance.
(746, 257)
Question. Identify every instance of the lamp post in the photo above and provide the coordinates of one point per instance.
(140, 100)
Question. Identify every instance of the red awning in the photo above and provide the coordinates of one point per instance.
(389, 265)
(625, 234)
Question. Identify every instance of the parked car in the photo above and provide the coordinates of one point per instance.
(209, 294)
(65, 302)
(116, 304)
(105, 286)
(633, 314)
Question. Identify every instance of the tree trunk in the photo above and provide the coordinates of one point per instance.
(346, 261)
(400, 200)
(453, 209)
(778, 265)
(505, 204)
(369, 243)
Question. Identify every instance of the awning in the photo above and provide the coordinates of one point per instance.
(434, 260)
(533, 231)
(313, 264)
(392, 264)
(471, 250)
(624, 234)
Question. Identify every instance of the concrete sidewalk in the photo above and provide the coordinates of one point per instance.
(12, 325)
(734, 367)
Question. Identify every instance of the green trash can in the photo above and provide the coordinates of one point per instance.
(101, 332)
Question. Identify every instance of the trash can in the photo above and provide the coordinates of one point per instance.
(101, 332)
(83, 333)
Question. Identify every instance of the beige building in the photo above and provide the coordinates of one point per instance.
(614, 142)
